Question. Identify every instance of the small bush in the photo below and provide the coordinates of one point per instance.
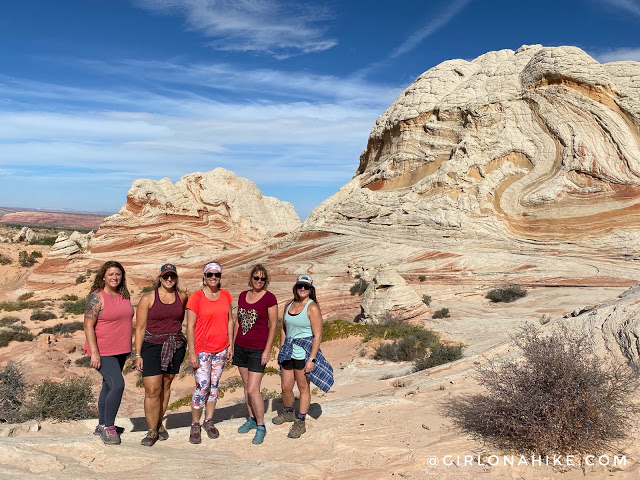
(340, 329)
(62, 328)
(407, 349)
(8, 320)
(15, 334)
(36, 254)
(426, 299)
(442, 313)
(44, 241)
(271, 371)
(506, 294)
(269, 394)
(75, 307)
(422, 278)
(83, 361)
(69, 298)
(181, 402)
(25, 260)
(359, 287)
(42, 315)
(147, 289)
(81, 279)
(559, 399)
(71, 399)
(25, 296)
(13, 390)
(4, 260)
(438, 355)
(17, 306)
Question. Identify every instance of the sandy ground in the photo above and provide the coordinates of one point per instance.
(378, 421)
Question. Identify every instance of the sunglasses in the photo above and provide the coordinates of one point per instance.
(259, 279)
(302, 286)
(213, 274)
(168, 276)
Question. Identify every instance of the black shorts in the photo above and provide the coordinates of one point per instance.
(248, 358)
(151, 364)
(293, 363)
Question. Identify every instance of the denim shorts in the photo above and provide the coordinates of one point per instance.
(248, 358)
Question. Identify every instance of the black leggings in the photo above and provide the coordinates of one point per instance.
(112, 388)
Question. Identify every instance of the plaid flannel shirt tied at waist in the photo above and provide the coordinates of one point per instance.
(172, 342)
(322, 373)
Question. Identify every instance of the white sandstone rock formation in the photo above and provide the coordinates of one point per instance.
(63, 246)
(538, 143)
(388, 298)
(25, 235)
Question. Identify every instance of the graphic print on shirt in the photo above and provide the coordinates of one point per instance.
(247, 319)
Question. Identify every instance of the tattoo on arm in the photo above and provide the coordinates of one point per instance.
(92, 308)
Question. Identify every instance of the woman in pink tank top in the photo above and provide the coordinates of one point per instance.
(108, 318)
(160, 347)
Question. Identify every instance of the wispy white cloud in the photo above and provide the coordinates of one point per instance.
(273, 27)
(629, 6)
(617, 55)
(434, 24)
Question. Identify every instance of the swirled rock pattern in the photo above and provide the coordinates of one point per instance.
(542, 143)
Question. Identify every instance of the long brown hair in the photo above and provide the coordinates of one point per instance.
(98, 282)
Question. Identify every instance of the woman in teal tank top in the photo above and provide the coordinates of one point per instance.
(302, 320)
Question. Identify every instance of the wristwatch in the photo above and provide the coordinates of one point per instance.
(313, 360)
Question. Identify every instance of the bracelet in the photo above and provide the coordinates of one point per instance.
(137, 355)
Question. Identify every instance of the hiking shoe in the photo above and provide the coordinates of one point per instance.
(247, 426)
(195, 435)
(297, 429)
(162, 433)
(283, 417)
(261, 431)
(110, 436)
(150, 439)
(211, 429)
(99, 429)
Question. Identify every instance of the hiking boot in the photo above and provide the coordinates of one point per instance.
(150, 439)
(162, 433)
(283, 417)
(211, 429)
(247, 426)
(261, 431)
(297, 429)
(195, 435)
(99, 429)
(110, 436)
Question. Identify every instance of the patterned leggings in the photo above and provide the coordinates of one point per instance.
(207, 377)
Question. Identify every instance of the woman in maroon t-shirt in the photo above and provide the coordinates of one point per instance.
(254, 330)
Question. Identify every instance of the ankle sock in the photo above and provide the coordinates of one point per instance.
(288, 409)
(301, 416)
(253, 418)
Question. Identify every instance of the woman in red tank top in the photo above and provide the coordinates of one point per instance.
(160, 347)
(108, 319)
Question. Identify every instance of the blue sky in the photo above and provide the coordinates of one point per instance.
(97, 93)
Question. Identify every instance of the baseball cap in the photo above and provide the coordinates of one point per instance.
(168, 267)
(306, 279)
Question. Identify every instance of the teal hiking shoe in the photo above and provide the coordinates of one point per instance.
(261, 432)
(247, 426)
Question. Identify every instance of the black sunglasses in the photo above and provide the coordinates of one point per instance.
(261, 279)
(302, 286)
(213, 274)
(167, 276)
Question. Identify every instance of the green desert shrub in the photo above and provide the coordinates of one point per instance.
(83, 361)
(44, 241)
(62, 328)
(22, 305)
(147, 289)
(422, 278)
(359, 287)
(75, 307)
(181, 402)
(69, 298)
(81, 279)
(559, 398)
(36, 254)
(408, 348)
(438, 354)
(506, 294)
(41, 315)
(8, 320)
(442, 313)
(70, 399)
(271, 371)
(337, 329)
(4, 260)
(25, 296)
(25, 259)
(13, 392)
(426, 299)
(15, 334)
